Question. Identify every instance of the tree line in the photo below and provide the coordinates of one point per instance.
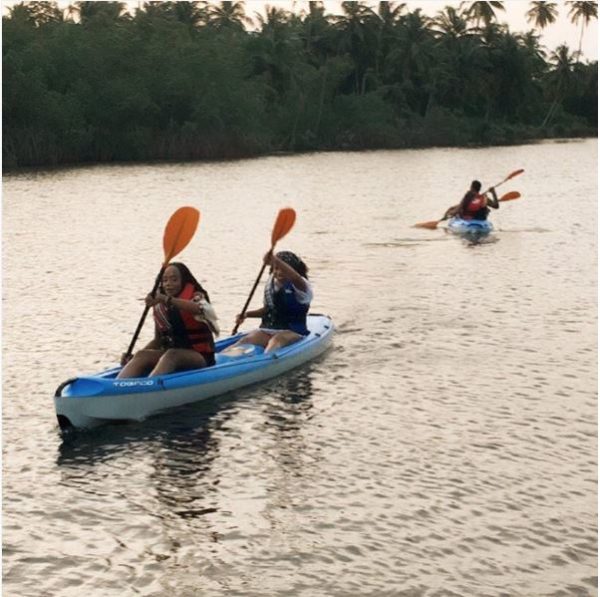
(197, 80)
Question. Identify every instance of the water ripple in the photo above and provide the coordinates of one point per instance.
(446, 445)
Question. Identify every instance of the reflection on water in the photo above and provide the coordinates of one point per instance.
(185, 443)
(447, 442)
(187, 428)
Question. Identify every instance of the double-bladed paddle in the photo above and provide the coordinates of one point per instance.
(283, 224)
(511, 196)
(432, 224)
(178, 233)
(511, 175)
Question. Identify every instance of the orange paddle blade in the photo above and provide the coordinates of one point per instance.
(511, 175)
(515, 173)
(432, 225)
(179, 231)
(510, 196)
(283, 224)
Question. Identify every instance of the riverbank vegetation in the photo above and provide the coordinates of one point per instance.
(196, 80)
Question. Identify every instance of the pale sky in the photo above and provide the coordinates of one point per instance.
(562, 31)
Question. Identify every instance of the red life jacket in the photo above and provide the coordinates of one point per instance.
(477, 203)
(180, 329)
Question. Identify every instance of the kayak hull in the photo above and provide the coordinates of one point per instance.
(89, 401)
(470, 228)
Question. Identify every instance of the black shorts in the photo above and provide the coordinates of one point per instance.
(209, 357)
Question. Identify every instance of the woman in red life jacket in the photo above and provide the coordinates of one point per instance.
(185, 323)
(287, 298)
(474, 206)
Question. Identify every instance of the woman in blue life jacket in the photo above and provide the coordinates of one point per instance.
(287, 298)
(185, 323)
(474, 205)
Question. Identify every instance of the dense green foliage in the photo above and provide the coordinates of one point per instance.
(190, 80)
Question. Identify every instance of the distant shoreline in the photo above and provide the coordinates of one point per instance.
(281, 153)
(189, 82)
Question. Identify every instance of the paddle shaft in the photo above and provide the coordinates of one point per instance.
(144, 314)
(262, 269)
(283, 224)
(178, 233)
(511, 175)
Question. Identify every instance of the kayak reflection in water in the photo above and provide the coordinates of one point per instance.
(474, 206)
(185, 325)
(287, 298)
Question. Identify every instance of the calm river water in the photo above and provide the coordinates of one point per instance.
(445, 445)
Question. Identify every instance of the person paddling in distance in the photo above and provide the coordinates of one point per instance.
(185, 325)
(287, 298)
(474, 205)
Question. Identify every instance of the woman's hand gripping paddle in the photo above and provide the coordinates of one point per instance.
(178, 233)
(433, 224)
(283, 224)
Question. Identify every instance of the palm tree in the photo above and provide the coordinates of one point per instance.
(274, 19)
(21, 12)
(512, 88)
(190, 13)
(450, 22)
(561, 77)
(228, 15)
(271, 51)
(459, 68)
(411, 62)
(353, 21)
(45, 12)
(482, 11)
(542, 13)
(390, 12)
(316, 33)
(584, 11)
(413, 50)
(531, 42)
(490, 34)
(536, 67)
(36, 13)
(390, 15)
(99, 11)
(357, 35)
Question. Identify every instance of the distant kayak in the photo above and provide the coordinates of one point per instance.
(88, 401)
(470, 228)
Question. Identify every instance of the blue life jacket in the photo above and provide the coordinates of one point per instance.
(283, 311)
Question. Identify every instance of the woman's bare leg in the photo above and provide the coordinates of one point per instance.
(142, 362)
(281, 339)
(178, 359)
(255, 337)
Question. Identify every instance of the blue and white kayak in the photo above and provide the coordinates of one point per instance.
(88, 401)
(470, 228)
